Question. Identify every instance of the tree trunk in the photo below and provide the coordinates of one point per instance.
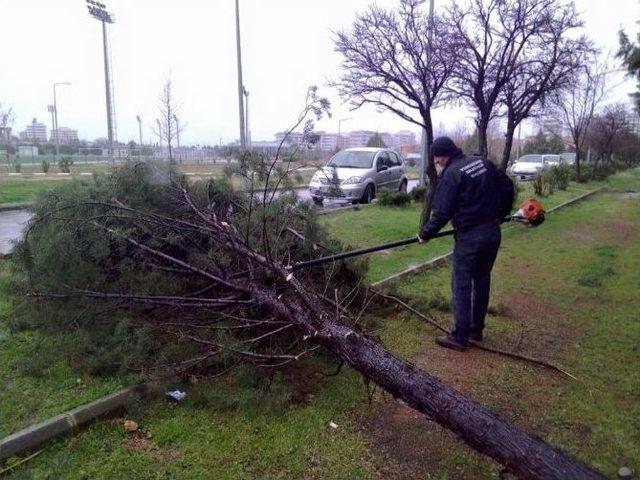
(523, 454)
(431, 172)
(482, 125)
(506, 153)
(578, 176)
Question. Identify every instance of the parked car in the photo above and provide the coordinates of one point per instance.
(528, 166)
(357, 174)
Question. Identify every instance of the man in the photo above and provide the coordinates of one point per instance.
(475, 195)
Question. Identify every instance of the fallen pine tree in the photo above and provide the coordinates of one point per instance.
(196, 274)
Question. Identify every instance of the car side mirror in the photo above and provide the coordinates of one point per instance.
(382, 168)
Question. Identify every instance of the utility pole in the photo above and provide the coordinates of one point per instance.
(98, 11)
(243, 141)
(424, 145)
(55, 115)
(247, 129)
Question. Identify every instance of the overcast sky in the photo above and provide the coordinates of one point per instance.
(286, 46)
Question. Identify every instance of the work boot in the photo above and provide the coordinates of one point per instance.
(450, 342)
(476, 336)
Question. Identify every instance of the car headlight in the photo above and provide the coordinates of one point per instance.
(352, 181)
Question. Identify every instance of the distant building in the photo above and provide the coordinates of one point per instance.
(35, 132)
(293, 138)
(403, 138)
(65, 135)
(359, 138)
(328, 141)
(27, 151)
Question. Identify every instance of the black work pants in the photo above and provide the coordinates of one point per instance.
(473, 257)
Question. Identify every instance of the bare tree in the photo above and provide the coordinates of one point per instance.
(550, 61)
(460, 132)
(492, 36)
(167, 128)
(576, 104)
(7, 118)
(609, 132)
(395, 61)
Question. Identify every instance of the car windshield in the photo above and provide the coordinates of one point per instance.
(531, 159)
(352, 159)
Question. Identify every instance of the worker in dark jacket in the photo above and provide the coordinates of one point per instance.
(474, 195)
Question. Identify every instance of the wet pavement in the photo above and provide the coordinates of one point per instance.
(12, 225)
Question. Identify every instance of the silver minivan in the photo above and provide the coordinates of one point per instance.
(357, 174)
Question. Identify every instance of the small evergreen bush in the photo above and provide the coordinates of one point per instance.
(388, 197)
(45, 166)
(64, 164)
(418, 193)
(17, 166)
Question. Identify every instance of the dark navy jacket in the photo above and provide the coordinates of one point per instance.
(471, 191)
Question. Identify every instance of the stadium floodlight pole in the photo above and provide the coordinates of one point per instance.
(243, 141)
(98, 11)
(55, 115)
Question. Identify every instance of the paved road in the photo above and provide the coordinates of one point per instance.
(12, 224)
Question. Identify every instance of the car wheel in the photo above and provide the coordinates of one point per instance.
(368, 194)
(403, 186)
(317, 201)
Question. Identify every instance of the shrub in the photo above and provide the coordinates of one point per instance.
(64, 164)
(542, 184)
(559, 176)
(17, 166)
(387, 197)
(418, 193)
(45, 166)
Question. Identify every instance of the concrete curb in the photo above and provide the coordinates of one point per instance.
(15, 206)
(33, 436)
(436, 262)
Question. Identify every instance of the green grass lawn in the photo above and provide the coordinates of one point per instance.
(24, 191)
(567, 291)
(376, 224)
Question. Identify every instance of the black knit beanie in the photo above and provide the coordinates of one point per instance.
(444, 147)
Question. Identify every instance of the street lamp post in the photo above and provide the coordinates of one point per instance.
(139, 119)
(339, 139)
(55, 115)
(98, 11)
